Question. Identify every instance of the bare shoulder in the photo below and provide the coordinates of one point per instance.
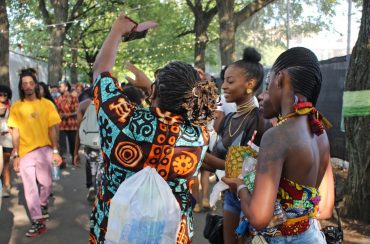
(274, 148)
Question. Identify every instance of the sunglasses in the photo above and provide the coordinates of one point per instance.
(2, 94)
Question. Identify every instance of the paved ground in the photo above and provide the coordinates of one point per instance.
(69, 212)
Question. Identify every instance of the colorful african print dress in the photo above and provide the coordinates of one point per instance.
(300, 203)
(133, 138)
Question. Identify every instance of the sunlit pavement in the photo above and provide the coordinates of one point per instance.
(69, 213)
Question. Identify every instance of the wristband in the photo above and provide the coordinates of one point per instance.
(238, 190)
(55, 151)
(15, 155)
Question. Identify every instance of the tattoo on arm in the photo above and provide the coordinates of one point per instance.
(272, 151)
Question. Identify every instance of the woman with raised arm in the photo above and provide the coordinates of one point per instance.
(169, 136)
(293, 165)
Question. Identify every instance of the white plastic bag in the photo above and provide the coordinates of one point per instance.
(143, 210)
(219, 187)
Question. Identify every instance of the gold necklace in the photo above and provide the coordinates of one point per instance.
(283, 119)
(240, 125)
(247, 106)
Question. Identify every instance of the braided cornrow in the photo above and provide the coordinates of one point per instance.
(175, 85)
(304, 70)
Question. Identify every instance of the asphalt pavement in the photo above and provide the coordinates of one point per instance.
(69, 213)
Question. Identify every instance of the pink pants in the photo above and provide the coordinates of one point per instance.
(35, 167)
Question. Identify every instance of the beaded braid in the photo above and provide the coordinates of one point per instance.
(200, 103)
(180, 91)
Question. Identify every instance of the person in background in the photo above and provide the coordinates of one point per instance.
(1, 169)
(91, 156)
(169, 136)
(67, 106)
(79, 88)
(54, 91)
(133, 94)
(5, 138)
(293, 165)
(45, 92)
(242, 79)
(33, 120)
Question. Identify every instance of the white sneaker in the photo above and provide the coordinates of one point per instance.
(91, 195)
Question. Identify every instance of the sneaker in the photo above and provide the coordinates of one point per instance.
(91, 195)
(6, 192)
(196, 208)
(38, 227)
(45, 212)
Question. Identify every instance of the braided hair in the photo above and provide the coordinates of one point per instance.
(304, 70)
(180, 91)
(250, 63)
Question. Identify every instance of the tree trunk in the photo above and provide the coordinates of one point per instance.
(357, 128)
(55, 60)
(226, 18)
(74, 69)
(203, 18)
(229, 22)
(201, 40)
(4, 45)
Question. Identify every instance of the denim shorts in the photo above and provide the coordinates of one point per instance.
(312, 235)
(232, 203)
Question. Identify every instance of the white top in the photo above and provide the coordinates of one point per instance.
(225, 107)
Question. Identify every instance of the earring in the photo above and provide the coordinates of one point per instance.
(249, 91)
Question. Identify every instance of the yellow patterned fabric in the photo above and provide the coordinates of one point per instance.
(298, 200)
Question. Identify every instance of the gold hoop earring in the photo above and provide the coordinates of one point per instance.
(249, 91)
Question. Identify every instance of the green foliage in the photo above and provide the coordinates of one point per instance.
(267, 30)
(159, 47)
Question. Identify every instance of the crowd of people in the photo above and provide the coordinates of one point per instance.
(182, 126)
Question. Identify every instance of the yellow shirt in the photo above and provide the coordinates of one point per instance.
(33, 119)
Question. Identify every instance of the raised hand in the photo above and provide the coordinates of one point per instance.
(141, 80)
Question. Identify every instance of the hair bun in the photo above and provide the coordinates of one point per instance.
(250, 54)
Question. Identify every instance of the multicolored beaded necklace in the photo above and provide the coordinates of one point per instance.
(316, 119)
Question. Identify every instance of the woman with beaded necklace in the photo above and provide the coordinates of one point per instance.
(293, 165)
(241, 80)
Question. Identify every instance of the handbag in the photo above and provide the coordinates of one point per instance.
(213, 230)
(334, 234)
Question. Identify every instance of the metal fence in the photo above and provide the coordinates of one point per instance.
(330, 101)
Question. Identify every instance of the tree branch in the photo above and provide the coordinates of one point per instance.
(185, 33)
(191, 5)
(210, 14)
(76, 7)
(207, 5)
(249, 10)
(44, 12)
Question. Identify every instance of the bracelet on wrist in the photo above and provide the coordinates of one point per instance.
(15, 155)
(239, 189)
(55, 151)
